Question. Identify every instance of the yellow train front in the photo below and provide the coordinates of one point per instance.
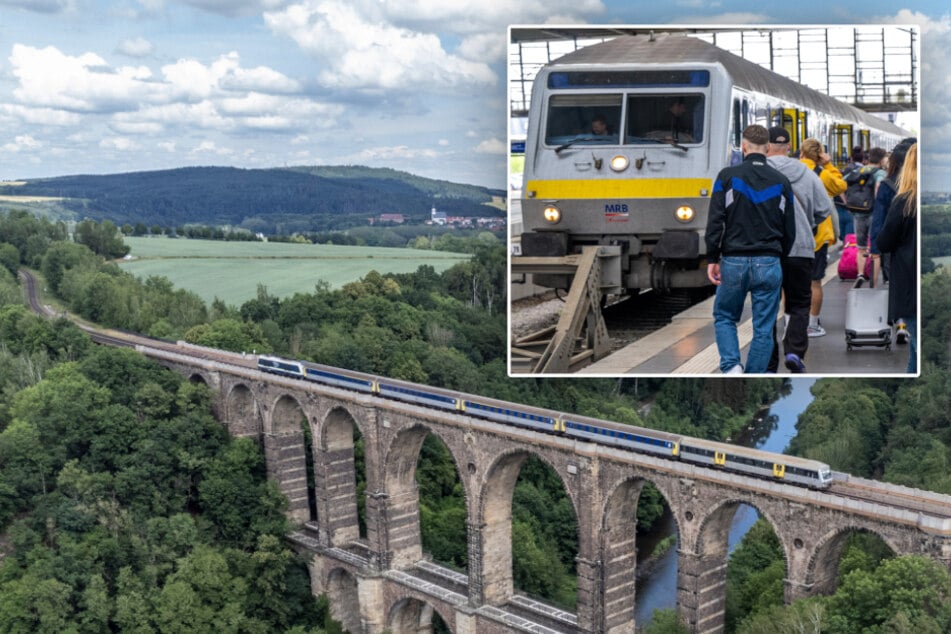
(625, 139)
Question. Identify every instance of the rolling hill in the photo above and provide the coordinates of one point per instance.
(278, 200)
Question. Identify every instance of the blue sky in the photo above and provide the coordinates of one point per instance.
(103, 86)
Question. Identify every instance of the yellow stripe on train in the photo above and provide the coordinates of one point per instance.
(620, 188)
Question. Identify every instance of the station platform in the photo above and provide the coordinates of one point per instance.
(687, 345)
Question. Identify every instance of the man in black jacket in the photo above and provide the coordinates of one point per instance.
(751, 224)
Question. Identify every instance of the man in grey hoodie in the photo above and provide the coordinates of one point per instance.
(813, 206)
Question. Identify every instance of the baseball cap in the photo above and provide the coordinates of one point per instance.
(778, 134)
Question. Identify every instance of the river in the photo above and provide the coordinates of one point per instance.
(772, 433)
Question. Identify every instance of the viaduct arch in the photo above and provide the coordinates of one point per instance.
(380, 581)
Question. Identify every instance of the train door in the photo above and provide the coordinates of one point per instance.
(794, 121)
(719, 458)
(779, 470)
(738, 123)
(865, 140)
(841, 143)
(803, 125)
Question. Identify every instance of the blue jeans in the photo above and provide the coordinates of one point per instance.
(846, 223)
(761, 277)
(912, 324)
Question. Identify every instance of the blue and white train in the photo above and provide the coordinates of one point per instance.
(707, 453)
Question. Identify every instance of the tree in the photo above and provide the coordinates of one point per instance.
(9, 257)
(913, 586)
(102, 238)
(62, 256)
(229, 334)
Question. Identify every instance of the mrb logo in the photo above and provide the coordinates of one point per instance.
(615, 212)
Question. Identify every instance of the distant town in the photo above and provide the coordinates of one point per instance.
(441, 219)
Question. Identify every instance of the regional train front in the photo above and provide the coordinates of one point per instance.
(623, 144)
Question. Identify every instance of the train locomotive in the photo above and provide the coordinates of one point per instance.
(624, 141)
(716, 455)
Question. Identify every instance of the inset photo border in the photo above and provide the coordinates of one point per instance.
(644, 237)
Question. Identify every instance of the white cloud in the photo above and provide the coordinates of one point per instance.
(168, 146)
(40, 6)
(118, 143)
(210, 147)
(359, 52)
(484, 46)
(724, 18)
(135, 47)
(443, 142)
(388, 153)
(136, 127)
(20, 143)
(466, 16)
(192, 80)
(492, 146)
(235, 7)
(40, 116)
(51, 79)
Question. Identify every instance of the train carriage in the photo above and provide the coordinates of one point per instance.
(626, 137)
(705, 453)
(619, 435)
(283, 367)
(754, 462)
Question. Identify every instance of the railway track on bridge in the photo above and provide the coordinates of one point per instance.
(897, 498)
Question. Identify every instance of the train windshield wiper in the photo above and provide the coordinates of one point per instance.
(674, 143)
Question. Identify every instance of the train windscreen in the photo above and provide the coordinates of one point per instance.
(596, 119)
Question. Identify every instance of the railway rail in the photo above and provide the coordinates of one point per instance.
(933, 509)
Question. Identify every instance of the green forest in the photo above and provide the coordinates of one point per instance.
(79, 515)
(272, 201)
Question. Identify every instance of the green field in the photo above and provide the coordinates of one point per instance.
(231, 271)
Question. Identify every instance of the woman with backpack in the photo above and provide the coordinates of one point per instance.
(862, 187)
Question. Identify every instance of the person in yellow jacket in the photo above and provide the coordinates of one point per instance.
(819, 161)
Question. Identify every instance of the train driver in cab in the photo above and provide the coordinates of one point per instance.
(683, 125)
(599, 125)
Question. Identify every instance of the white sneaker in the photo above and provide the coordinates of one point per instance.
(816, 331)
(737, 369)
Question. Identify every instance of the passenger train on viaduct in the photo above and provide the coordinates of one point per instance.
(717, 455)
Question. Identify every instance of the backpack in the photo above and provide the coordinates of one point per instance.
(860, 191)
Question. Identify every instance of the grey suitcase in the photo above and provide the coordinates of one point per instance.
(866, 317)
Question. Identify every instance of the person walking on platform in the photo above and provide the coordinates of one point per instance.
(751, 224)
(870, 180)
(898, 237)
(846, 221)
(820, 162)
(883, 200)
(812, 206)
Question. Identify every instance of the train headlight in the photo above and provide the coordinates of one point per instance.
(684, 213)
(552, 214)
(619, 163)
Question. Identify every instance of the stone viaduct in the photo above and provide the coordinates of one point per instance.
(382, 582)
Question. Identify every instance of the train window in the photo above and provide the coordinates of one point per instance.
(583, 119)
(737, 131)
(672, 118)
